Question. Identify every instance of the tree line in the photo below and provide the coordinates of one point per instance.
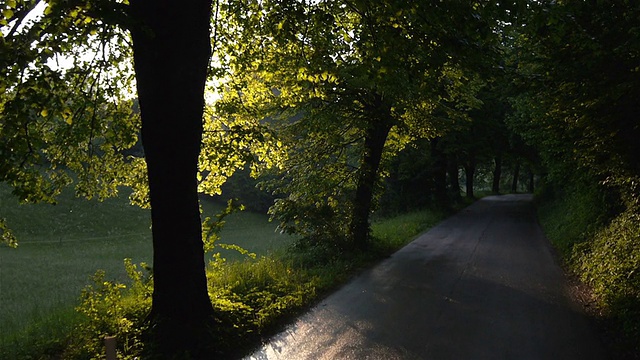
(338, 108)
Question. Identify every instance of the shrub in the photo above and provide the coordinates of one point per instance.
(597, 231)
(252, 297)
(249, 297)
(113, 309)
(611, 264)
(571, 217)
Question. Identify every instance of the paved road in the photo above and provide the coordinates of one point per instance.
(481, 285)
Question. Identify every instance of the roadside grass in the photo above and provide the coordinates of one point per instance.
(393, 233)
(262, 295)
(41, 281)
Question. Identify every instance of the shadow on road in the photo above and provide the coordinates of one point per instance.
(483, 284)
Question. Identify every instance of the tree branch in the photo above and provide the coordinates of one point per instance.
(20, 16)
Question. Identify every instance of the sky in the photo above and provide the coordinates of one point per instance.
(62, 62)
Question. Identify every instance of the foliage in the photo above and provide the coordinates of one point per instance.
(6, 235)
(252, 298)
(571, 216)
(601, 245)
(331, 78)
(578, 81)
(611, 264)
(114, 309)
(65, 77)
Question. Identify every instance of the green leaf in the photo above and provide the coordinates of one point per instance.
(6, 236)
(7, 13)
(67, 116)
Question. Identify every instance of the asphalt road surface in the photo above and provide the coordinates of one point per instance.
(483, 284)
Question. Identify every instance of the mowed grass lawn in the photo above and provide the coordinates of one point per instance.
(61, 246)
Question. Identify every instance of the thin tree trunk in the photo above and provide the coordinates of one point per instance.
(454, 180)
(470, 169)
(171, 53)
(439, 172)
(375, 138)
(497, 174)
(516, 175)
(531, 181)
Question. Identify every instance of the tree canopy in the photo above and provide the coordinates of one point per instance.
(347, 85)
(333, 104)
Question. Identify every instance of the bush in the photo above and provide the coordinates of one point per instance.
(600, 241)
(113, 309)
(571, 217)
(252, 299)
(249, 297)
(610, 263)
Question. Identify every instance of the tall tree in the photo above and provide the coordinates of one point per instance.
(363, 76)
(172, 51)
(439, 173)
(66, 75)
(578, 81)
(497, 174)
(579, 84)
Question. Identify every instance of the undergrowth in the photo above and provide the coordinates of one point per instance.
(252, 298)
(572, 217)
(601, 244)
(610, 263)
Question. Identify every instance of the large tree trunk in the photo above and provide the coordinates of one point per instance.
(375, 138)
(497, 174)
(172, 50)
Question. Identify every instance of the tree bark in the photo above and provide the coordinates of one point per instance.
(375, 138)
(470, 170)
(516, 175)
(171, 45)
(439, 172)
(497, 174)
(454, 180)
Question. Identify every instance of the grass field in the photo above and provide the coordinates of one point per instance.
(61, 246)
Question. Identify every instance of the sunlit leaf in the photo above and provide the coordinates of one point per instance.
(7, 13)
